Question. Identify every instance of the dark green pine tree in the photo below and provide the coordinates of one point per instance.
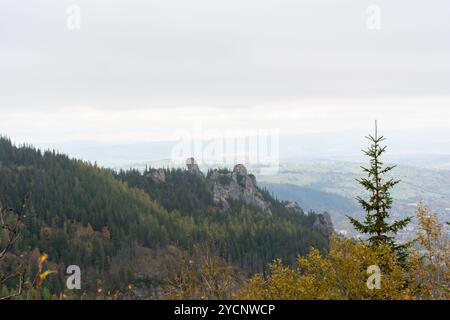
(376, 225)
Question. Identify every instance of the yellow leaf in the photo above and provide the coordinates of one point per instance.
(42, 260)
(43, 275)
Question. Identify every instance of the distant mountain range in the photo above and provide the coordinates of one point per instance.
(427, 148)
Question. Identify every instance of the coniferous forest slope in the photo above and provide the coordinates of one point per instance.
(131, 228)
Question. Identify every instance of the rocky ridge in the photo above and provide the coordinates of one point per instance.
(237, 185)
(226, 186)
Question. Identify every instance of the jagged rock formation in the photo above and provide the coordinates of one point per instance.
(157, 175)
(293, 207)
(324, 224)
(237, 185)
(240, 169)
(192, 167)
(191, 190)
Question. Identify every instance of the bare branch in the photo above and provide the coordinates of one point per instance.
(11, 224)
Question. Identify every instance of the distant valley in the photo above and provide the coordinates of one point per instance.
(334, 188)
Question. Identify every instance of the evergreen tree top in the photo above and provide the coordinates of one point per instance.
(377, 206)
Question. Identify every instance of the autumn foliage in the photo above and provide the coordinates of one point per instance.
(342, 272)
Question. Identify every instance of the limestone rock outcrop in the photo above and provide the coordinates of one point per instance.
(192, 167)
(220, 188)
(323, 223)
(157, 175)
(293, 207)
(237, 185)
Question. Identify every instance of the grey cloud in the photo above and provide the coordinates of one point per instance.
(218, 53)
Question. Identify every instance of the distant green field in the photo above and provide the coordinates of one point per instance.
(339, 178)
(332, 177)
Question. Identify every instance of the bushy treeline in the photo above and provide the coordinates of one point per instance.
(344, 272)
(398, 270)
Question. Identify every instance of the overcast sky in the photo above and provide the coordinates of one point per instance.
(138, 70)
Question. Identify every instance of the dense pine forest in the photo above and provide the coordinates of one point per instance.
(127, 231)
(183, 234)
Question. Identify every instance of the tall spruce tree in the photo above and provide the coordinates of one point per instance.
(377, 207)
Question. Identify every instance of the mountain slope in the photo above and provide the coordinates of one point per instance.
(309, 198)
(110, 225)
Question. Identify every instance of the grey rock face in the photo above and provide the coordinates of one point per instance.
(240, 169)
(293, 207)
(324, 224)
(237, 185)
(157, 175)
(192, 167)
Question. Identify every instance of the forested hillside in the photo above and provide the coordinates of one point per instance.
(126, 229)
(311, 199)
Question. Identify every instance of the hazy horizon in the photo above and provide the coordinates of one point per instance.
(114, 72)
